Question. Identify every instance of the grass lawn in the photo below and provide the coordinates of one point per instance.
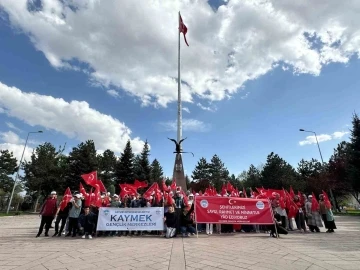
(11, 213)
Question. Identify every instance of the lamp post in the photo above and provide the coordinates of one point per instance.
(322, 160)
(17, 174)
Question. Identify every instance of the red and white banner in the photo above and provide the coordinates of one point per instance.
(233, 210)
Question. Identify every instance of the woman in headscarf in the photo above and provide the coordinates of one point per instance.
(327, 215)
(299, 218)
(313, 217)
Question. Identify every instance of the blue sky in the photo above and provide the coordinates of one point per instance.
(272, 93)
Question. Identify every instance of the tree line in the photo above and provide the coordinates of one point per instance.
(50, 169)
(341, 173)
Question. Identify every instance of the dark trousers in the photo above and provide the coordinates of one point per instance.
(73, 226)
(63, 222)
(88, 229)
(47, 222)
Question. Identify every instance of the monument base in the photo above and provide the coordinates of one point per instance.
(178, 172)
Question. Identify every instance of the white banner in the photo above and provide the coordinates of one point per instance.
(130, 219)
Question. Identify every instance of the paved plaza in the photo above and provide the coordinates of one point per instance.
(19, 249)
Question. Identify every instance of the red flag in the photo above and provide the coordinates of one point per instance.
(292, 193)
(97, 198)
(154, 187)
(173, 184)
(326, 200)
(127, 189)
(223, 190)
(183, 29)
(229, 187)
(244, 192)
(101, 185)
(66, 199)
(140, 184)
(314, 203)
(164, 187)
(90, 178)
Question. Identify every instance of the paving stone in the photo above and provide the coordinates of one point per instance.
(20, 250)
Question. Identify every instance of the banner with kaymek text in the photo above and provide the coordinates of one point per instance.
(130, 219)
(233, 210)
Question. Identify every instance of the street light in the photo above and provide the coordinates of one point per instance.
(17, 174)
(331, 194)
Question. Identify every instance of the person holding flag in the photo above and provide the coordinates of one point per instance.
(326, 213)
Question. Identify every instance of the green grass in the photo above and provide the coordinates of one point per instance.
(348, 213)
(17, 213)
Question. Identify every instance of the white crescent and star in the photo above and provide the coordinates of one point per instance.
(232, 201)
(91, 177)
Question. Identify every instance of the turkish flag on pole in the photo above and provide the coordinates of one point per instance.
(173, 184)
(66, 199)
(127, 189)
(182, 28)
(101, 185)
(90, 178)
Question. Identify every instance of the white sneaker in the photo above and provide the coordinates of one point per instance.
(90, 237)
(83, 237)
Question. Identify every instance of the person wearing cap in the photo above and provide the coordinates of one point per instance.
(74, 214)
(47, 213)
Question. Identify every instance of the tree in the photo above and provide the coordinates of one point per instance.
(187, 180)
(353, 170)
(42, 173)
(278, 174)
(251, 177)
(157, 173)
(142, 168)
(82, 159)
(202, 170)
(311, 174)
(8, 166)
(107, 163)
(124, 169)
(218, 172)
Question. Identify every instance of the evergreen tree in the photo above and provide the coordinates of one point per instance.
(142, 168)
(187, 180)
(312, 174)
(253, 177)
(202, 170)
(124, 170)
(235, 181)
(107, 163)
(81, 160)
(42, 173)
(157, 173)
(8, 166)
(354, 157)
(278, 174)
(218, 172)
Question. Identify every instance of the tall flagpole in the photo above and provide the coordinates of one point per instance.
(179, 120)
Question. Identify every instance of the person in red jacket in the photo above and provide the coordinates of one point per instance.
(47, 213)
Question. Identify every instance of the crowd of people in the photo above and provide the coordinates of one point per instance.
(78, 218)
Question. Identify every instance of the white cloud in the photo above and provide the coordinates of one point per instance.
(323, 137)
(206, 108)
(10, 137)
(17, 150)
(339, 134)
(74, 119)
(12, 142)
(185, 109)
(113, 93)
(245, 96)
(133, 47)
(12, 126)
(187, 125)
